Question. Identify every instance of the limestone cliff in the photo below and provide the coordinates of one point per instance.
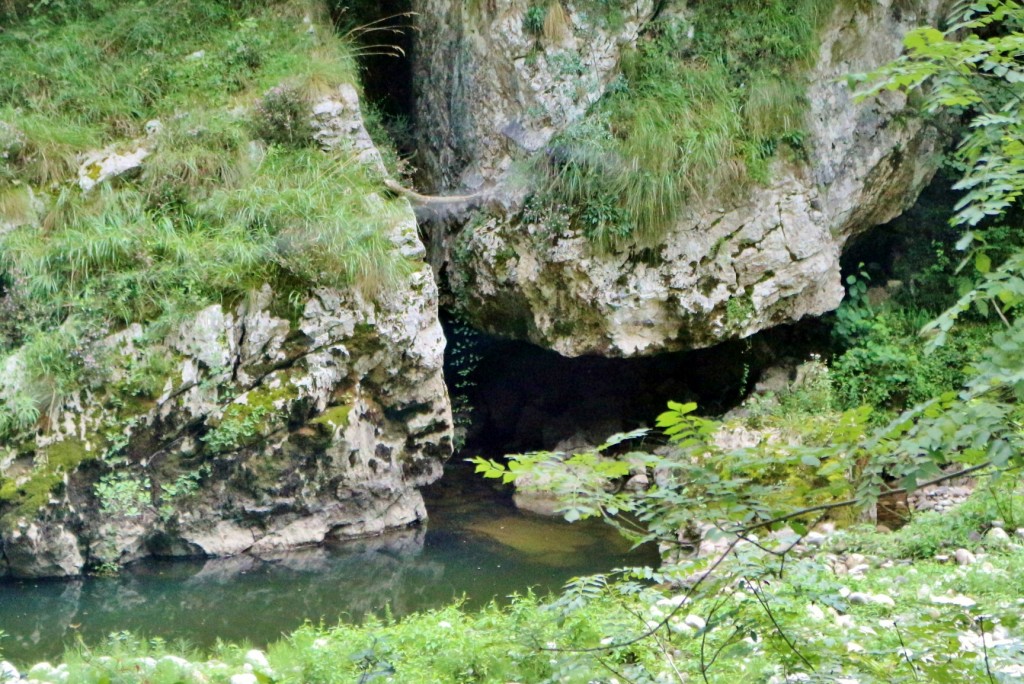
(280, 424)
(729, 266)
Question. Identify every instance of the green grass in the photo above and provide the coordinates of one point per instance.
(692, 119)
(218, 209)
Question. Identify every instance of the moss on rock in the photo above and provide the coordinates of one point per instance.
(25, 498)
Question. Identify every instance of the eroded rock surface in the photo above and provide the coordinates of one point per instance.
(729, 268)
(276, 428)
(485, 95)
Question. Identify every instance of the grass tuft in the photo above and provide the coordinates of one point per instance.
(556, 22)
(701, 112)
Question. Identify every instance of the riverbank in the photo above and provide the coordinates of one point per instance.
(938, 600)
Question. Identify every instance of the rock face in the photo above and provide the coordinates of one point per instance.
(484, 96)
(728, 268)
(272, 431)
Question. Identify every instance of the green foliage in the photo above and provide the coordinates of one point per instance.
(172, 494)
(698, 483)
(111, 67)
(195, 153)
(805, 412)
(240, 426)
(282, 117)
(48, 367)
(972, 67)
(533, 20)
(123, 494)
(702, 111)
(883, 361)
(131, 494)
(888, 367)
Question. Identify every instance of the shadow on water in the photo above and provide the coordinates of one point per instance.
(476, 546)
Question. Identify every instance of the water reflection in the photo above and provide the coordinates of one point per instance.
(476, 546)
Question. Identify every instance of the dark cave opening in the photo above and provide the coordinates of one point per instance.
(512, 396)
(906, 247)
(383, 33)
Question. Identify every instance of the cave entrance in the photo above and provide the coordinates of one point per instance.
(383, 32)
(511, 397)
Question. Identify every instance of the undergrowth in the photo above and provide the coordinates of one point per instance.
(907, 273)
(703, 107)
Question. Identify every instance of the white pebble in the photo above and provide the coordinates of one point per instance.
(958, 600)
(257, 659)
(964, 557)
(8, 673)
(695, 621)
(859, 598)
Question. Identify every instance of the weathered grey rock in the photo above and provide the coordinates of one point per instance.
(859, 598)
(729, 268)
(42, 550)
(856, 560)
(337, 122)
(814, 538)
(100, 167)
(487, 91)
(997, 536)
(964, 557)
(269, 435)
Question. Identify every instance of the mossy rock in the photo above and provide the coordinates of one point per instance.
(62, 458)
(335, 417)
(244, 423)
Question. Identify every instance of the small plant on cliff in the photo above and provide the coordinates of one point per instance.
(282, 117)
(240, 426)
(173, 494)
(122, 494)
(533, 19)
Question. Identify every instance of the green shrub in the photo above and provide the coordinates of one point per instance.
(533, 20)
(121, 494)
(282, 117)
(883, 361)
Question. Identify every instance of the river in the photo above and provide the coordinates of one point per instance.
(476, 545)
